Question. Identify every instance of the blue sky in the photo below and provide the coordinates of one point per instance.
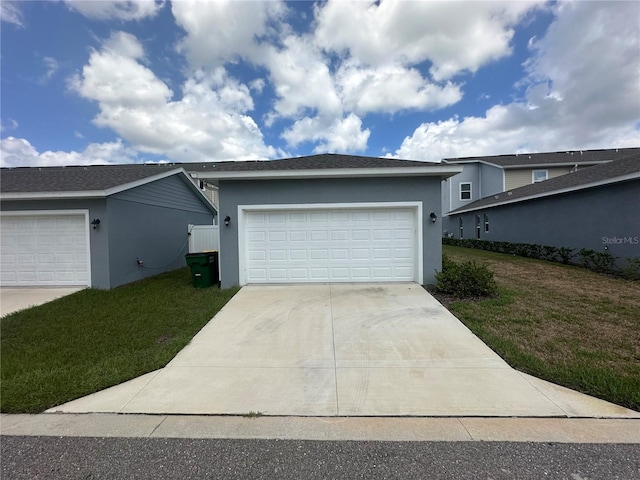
(86, 82)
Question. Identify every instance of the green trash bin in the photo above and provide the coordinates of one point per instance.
(204, 268)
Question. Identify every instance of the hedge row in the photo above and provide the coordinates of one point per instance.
(602, 262)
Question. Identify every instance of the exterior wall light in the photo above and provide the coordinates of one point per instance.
(95, 222)
(433, 217)
(227, 220)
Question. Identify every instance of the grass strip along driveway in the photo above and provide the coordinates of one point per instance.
(561, 323)
(94, 339)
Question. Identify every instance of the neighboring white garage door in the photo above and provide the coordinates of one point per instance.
(330, 245)
(44, 250)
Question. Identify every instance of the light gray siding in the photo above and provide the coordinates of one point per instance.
(359, 190)
(603, 219)
(471, 173)
(491, 180)
(171, 192)
(156, 235)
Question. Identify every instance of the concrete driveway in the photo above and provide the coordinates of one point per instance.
(16, 299)
(340, 350)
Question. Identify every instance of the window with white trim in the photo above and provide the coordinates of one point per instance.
(539, 175)
(465, 191)
(486, 223)
(478, 227)
(461, 227)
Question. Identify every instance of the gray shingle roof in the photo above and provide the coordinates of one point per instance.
(74, 179)
(571, 181)
(102, 177)
(550, 158)
(313, 162)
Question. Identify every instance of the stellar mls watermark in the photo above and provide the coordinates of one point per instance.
(620, 240)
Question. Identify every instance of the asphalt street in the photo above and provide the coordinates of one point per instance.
(159, 458)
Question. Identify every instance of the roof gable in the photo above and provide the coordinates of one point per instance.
(98, 181)
(77, 178)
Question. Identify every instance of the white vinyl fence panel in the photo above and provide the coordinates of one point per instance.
(204, 237)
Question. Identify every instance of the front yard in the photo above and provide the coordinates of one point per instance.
(561, 323)
(94, 339)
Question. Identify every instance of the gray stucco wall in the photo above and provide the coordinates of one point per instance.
(595, 218)
(98, 238)
(262, 192)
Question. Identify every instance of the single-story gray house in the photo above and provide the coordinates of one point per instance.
(328, 218)
(318, 219)
(97, 226)
(597, 208)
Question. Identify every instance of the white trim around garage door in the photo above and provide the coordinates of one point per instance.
(83, 212)
(244, 209)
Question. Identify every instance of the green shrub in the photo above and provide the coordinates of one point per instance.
(602, 262)
(468, 279)
(447, 263)
(631, 271)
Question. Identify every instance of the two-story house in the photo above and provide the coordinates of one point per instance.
(486, 176)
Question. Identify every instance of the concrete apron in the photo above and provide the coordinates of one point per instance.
(340, 350)
(15, 299)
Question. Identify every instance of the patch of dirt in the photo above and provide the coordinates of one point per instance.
(164, 339)
(447, 299)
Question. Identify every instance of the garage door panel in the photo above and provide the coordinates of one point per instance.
(44, 249)
(298, 255)
(331, 246)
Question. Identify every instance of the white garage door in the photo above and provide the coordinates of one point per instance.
(44, 250)
(330, 245)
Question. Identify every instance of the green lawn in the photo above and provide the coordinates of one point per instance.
(94, 339)
(561, 323)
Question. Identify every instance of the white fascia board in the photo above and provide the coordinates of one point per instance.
(436, 171)
(191, 183)
(631, 176)
(111, 191)
(52, 195)
(90, 193)
(469, 162)
(188, 179)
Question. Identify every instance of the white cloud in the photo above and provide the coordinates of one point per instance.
(332, 135)
(18, 152)
(11, 124)
(582, 91)
(391, 88)
(116, 9)
(51, 66)
(208, 123)
(301, 79)
(224, 30)
(257, 85)
(453, 36)
(116, 80)
(10, 13)
(337, 73)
